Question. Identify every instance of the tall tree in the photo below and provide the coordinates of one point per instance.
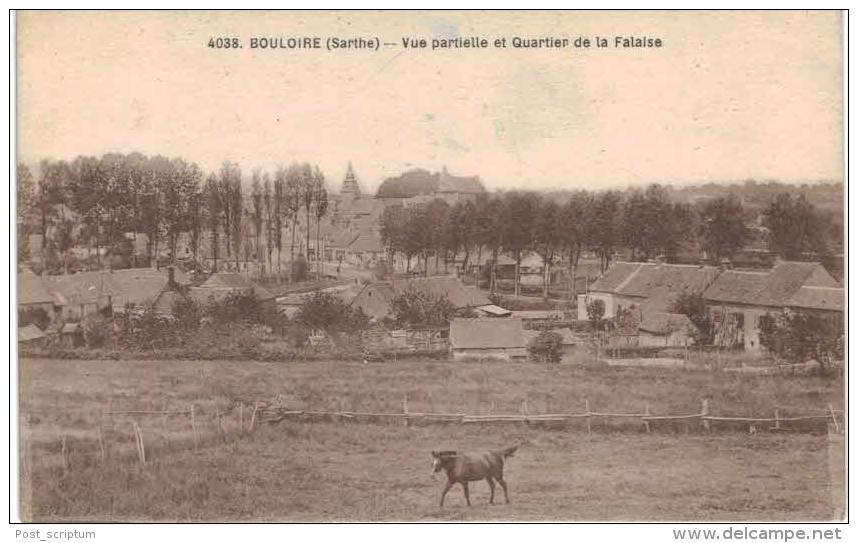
(604, 225)
(280, 210)
(648, 223)
(488, 232)
(573, 232)
(321, 209)
(547, 237)
(214, 214)
(178, 188)
(230, 176)
(195, 219)
(51, 193)
(312, 182)
(437, 214)
(267, 202)
(236, 198)
(257, 214)
(26, 204)
(721, 228)
(297, 177)
(795, 227)
(517, 230)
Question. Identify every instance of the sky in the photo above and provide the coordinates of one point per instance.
(730, 96)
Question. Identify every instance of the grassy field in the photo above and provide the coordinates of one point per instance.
(349, 471)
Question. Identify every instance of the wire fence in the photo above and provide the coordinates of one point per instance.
(242, 419)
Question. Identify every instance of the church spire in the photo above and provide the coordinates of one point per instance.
(350, 184)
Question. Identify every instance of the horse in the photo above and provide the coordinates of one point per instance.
(462, 468)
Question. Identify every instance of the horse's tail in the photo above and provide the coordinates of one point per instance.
(509, 451)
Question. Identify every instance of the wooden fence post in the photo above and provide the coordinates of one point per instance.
(141, 448)
(253, 416)
(405, 410)
(587, 407)
(834, 418)
(777, 419)
(164, 421)
(220, 426)
(101, 443)
(194, 427)
(704, 413)
(63, 458)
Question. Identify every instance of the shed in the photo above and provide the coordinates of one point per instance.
(492, 310)
(487, 338)
(31, 335)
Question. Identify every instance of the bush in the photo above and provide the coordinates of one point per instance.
(96, 330)
(417, 308)
(596, 312)
(694, 307)
(324, 311)
(235, 307)
(187, 313)
(546, 347)
(801, 337)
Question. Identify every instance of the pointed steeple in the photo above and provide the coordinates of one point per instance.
(350, 185)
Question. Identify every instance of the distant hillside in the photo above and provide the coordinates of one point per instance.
(755, 196)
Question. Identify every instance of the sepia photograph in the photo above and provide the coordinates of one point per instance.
(429, 266)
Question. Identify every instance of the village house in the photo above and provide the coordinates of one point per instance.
(655, 286)
(376, 299)
(34, 295)
(75, 296)
(223, 284)
(31, 335)
(737, 301)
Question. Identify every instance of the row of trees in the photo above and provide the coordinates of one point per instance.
(93, 202)
(645, 223)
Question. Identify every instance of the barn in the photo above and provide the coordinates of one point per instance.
(501, 339)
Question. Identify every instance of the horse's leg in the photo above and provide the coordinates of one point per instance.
(467, 494)
(447, 487)
(492, 487)
(503, 486)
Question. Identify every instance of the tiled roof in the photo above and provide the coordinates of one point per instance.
(487, 334)
(454, 183)
(137, 286)
(32, 289)
(419, 181)
(459, 294)
(774, 288)
(29, 333)
(825, 298)
(232, 281)
(375, 299)
(643, 279)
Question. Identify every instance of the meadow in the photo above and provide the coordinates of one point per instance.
(333, 470)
